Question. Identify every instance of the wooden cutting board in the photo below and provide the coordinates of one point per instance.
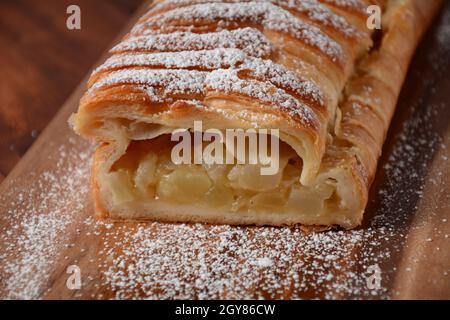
(49, 238)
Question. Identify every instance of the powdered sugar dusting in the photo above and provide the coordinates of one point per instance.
(34, 231)
(157, 83)
(263, 70)
(229, 82)
(205, 59)
(186, 261)
(228, 15)
(249, 40)
(161, 84)
(312, 9)
(356, 5)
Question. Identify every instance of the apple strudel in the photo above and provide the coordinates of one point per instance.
(310, 72)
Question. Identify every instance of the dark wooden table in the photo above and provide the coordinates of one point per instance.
(47, 223)
(41, 62)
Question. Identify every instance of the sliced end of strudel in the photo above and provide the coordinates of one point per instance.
(311, 71)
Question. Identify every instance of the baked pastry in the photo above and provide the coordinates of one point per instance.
(311, 69)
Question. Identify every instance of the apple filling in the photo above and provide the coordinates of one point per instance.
(146, 173)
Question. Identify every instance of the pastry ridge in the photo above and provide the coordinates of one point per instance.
(308, 68)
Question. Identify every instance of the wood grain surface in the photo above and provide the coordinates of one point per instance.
(405, 233)
(43, 62)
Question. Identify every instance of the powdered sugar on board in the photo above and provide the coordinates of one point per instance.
(158, 260)
(33, 231)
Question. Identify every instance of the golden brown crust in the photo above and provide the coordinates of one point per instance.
(372, 95)
(233, 65)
